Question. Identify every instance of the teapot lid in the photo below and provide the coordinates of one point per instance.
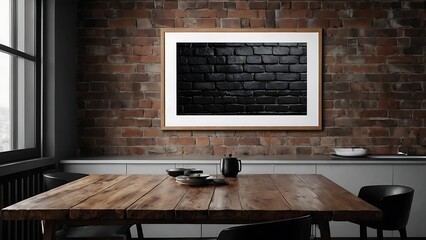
(230, 157)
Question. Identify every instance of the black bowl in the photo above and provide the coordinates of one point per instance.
(174, 172)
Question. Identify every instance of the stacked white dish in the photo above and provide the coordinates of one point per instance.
(195, 179)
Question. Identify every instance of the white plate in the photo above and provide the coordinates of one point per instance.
(351, 152)
(193, 181)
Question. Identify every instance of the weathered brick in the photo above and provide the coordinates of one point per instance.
(132, 132)
(170, 5)
(204, 13)
(298, 14)
(370, 13)
(122, 23)
(262, 50)
(163, 23)
(236, 59)
(254, 68)
(146, 33)
(230, 23)
(257, 22)
(386, 41)
(202, 141)
(257, 5)
(286, 23)
(249, 141)
(242, 14)
(245, 51)
(269, 59)
(206, 23)
(299, 5)
(133, 13)
(357, 23)
(140, 141)
(277, 68)
(118, 68)
(318, 23)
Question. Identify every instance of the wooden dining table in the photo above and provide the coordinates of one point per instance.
(128, 199)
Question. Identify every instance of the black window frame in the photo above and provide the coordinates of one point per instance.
(36, 151)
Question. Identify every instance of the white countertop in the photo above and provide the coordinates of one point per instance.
(270, 159)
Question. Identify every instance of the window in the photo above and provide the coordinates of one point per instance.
(20, 71)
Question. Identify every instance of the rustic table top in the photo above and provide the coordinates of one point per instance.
(119, 199)
(159, 198)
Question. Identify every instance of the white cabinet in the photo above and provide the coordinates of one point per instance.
(351, 175)
(414, 176)
(352, 178)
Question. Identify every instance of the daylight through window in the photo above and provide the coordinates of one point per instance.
(19, 78)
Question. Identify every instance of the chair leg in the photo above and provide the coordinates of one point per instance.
(363, 232)
(140, 231)
(380, 234)
(403, 234)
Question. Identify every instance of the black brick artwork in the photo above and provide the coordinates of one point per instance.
(241, 78)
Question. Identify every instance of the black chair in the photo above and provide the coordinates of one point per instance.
(289, 229)
(53, 179)
(395, 203)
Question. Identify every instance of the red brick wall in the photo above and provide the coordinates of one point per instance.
(374, 77)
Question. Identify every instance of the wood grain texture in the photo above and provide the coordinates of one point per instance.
(297, 194)
(111, 203)
(55, 204)
(344, 205)
(225, 203)
(260, 198)
(195, 203)
(125, 199)
(156, 198)
(160, 202)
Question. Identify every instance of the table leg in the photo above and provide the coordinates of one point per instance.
(324, 227)
(49, 230)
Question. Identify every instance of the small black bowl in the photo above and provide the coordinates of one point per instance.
(174, 172)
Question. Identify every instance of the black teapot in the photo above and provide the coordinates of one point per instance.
(230, 166)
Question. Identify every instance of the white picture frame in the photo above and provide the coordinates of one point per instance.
(172, 120)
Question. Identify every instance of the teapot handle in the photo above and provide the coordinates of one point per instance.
(221, 165)
(240, 166)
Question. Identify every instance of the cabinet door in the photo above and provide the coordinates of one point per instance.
(352, 178)
(414, 176)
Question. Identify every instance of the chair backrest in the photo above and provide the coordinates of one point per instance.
(53, 179)
(289, 229)
(394, 201)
